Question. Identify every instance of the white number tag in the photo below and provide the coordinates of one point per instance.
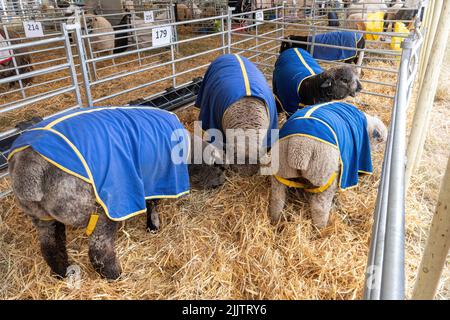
(259, 16)
(33, 29)
(161, 36)
(149, 17)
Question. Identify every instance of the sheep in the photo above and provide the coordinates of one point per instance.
(55, 191)
(235, 99)
(309, 157)
(299, 81)
(103, 44)
(184, 13)
(402, 11)
(122, 40)
(351, 40)
(23, 60)
(366, 6)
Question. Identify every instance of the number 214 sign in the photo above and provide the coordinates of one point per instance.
(33, 29)
(161, 36)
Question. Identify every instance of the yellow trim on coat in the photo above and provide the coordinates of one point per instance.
(10, 155)
(299, 185)
(245, 75)
(59, 120)
(304, 62)
(308, 136)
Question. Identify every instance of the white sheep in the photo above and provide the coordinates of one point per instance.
(102, 44)
(316, 164)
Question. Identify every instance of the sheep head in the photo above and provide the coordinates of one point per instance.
(340, 82)
(376, 129)
(210, 172)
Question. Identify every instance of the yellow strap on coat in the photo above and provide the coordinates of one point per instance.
(299, 185)
(248, 91)
(92, 223)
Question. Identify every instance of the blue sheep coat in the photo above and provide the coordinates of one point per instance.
(346, 39)
(341, 125)
(291, 69)
(228, 79)
(123, 152)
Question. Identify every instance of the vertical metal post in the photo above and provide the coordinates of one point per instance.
(314, 31)
(174, 71)
(88, 39)
(393, 281)
(385, 276)
(136, 38)
(284, 19)
(174, 28)
(83, 65)
(256, 37)
(73, 72)
(222, 29)
(16, 66)
(230, 11)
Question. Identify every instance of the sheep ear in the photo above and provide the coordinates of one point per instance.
(326, 84)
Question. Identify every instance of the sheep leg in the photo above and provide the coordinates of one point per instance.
(277, 200)
(152, 216)
(102, 252)
(52, 237)
(320, 204)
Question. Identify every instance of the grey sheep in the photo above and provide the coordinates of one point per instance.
(54, 198)
(298, 81)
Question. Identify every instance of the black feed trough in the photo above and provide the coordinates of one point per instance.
(173, 98)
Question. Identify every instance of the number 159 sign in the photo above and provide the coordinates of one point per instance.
(161, 36)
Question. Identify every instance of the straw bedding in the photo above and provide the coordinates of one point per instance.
(219, 244)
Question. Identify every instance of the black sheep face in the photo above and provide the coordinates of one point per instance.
(341, 82)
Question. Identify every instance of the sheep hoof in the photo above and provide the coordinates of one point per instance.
(275, 219)
(59, 275)
(110, 273)
(153, 223)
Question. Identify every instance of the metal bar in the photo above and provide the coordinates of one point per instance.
(83, 65)
(37, 98)
(35, 73)
(73, 72)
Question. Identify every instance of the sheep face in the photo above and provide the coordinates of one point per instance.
(339, 83)
(209, 173)
(377, 130)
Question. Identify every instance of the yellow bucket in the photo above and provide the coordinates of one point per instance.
(375, 23)
(396, 43)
